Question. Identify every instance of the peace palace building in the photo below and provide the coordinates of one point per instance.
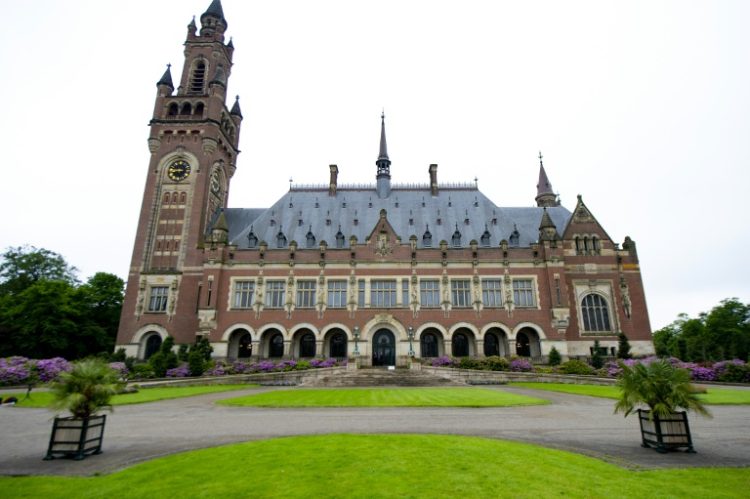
(378, 272)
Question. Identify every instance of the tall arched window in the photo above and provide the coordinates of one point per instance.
(198, 78)
(172, 109)
(460, 345)
(186, 109)
(307, 345)
(595, 313)
(276, 346)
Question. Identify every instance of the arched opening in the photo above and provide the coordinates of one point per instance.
(337, 346)
(429, 344)
(595, 312)
(199, 109)
(275, 344)
(186, 108)
(460, 345)
(495, 342)
(307, 345)
(153, 343)
(383, 348)
(172, 111)
(240, 345)
(527, 343)
(197, 82)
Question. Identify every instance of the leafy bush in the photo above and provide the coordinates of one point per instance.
(164, 359)
(120, 368)
(469, 363)
(575, 367)
(495, 363)
(623, 347)
(596, 356)
(118, 356)
(142, 371)
(196, 362)
(734, 371)
(182, 353)
(554, 357)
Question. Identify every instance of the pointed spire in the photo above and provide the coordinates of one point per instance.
(547, 228)
(545, 196)
(213, 18)
(192, 26)
(383, 146)
(230, 44)
(383, 163)
(236, 107)
(166, 78)
(214, 10)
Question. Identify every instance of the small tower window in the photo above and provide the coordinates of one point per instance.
(166, 198)
(199, 109)
(183, 198)
(187, 109)
(173, 108)
(198, 80)
(174, 198)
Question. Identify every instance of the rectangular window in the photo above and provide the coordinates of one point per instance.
(523, 293)
(305, 294)
(382, 294)
(361, 293)
(461, 292)
(405, 293)
(429, 294)
(274, 294)
(243, 294)
(492, 293)
(158, 300)
(336, 294)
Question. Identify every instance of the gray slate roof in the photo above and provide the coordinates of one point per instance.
(409, 210)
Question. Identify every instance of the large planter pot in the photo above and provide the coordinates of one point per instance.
(76, 438)
(665, 433)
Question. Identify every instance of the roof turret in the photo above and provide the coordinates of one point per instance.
(383, 163)
(545, 196)
(236, 107)
(166, 78)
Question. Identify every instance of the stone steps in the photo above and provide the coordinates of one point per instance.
(382, 377)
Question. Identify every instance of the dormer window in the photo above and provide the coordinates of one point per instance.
(427, 238)
(280, 239)
(310, 238)
(252, 239)
(515, 236)
(339, 239)
(485, 240)
(456, 239)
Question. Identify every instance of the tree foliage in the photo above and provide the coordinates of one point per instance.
(46, 312)
(722, 333)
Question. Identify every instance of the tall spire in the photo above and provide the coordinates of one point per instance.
(545, 196)
(213, 20)
(383, 163)
(166, 78)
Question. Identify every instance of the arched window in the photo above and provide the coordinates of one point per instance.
(166, 198)
(172, 109)
(578, 245)
(186, 109)
(595, 312)
(307, 345)
(310, 238)
(198, 79)
(338, 345)
(460, 345)
(585, 245)
(245, 346)
(276, 346)
(252, 239)
(183, 197)
(174, 198)
(153, 344)
(491, 345)
(429, 345)
(486, 237)
(280, 239)
(199, 109)
(514, 237)
(595, 246)
(339, 239)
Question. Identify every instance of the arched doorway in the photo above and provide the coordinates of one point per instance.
(491, 345)
(276, 345)
(337, 346)
(240, 345)
(153, 343)
(383, 348)
(307, 345)
(428, 344)
(460, 345)
(527, 343)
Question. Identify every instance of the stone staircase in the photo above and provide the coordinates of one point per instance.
(381, 377)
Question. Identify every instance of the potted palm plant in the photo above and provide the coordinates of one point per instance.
(664, 389)
(83, 391)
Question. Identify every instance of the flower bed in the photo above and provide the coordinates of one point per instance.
(222, 368)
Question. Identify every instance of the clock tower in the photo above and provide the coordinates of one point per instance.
(193, 143)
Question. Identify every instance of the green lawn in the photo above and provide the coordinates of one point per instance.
(384, 397)
(43, 399)
(713, 396)
(375, 466)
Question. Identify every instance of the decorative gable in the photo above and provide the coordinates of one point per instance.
(383, 238)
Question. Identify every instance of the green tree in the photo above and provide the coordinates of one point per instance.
(554, 357)
(24, 266)
(623, 347)
(596, 356)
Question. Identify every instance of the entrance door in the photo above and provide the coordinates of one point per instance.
(523, 349)
(383, 348)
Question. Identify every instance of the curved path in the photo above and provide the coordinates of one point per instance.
(581, 424)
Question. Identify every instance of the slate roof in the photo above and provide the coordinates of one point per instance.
(356, 210)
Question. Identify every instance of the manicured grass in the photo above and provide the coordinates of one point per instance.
(43, 399)
(375, 466)
(384, 397)
(713, 395)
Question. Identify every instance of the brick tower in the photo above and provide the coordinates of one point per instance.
(193, 144)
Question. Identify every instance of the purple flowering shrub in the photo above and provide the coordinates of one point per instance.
(521, 365)
(443, 361)
(181, 371)
(121, 368)
(22, 371)
(219, 369)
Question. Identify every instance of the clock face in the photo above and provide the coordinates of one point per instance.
(215, 183)
(179, 170)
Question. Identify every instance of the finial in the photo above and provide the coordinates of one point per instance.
(540, 157)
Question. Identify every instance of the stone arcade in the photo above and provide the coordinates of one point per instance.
(373, 271)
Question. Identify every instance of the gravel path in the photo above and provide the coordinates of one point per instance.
(137, 433)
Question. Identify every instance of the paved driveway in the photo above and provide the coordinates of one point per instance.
(581, 424)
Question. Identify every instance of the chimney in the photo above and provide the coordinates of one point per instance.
(334, 178)
(433, 180)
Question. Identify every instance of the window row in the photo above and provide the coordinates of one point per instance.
(587, 245)
(383, 293)
(172, 197)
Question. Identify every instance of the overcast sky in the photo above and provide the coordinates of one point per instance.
(641, 107)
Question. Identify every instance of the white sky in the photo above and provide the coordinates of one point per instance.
(641, 107)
